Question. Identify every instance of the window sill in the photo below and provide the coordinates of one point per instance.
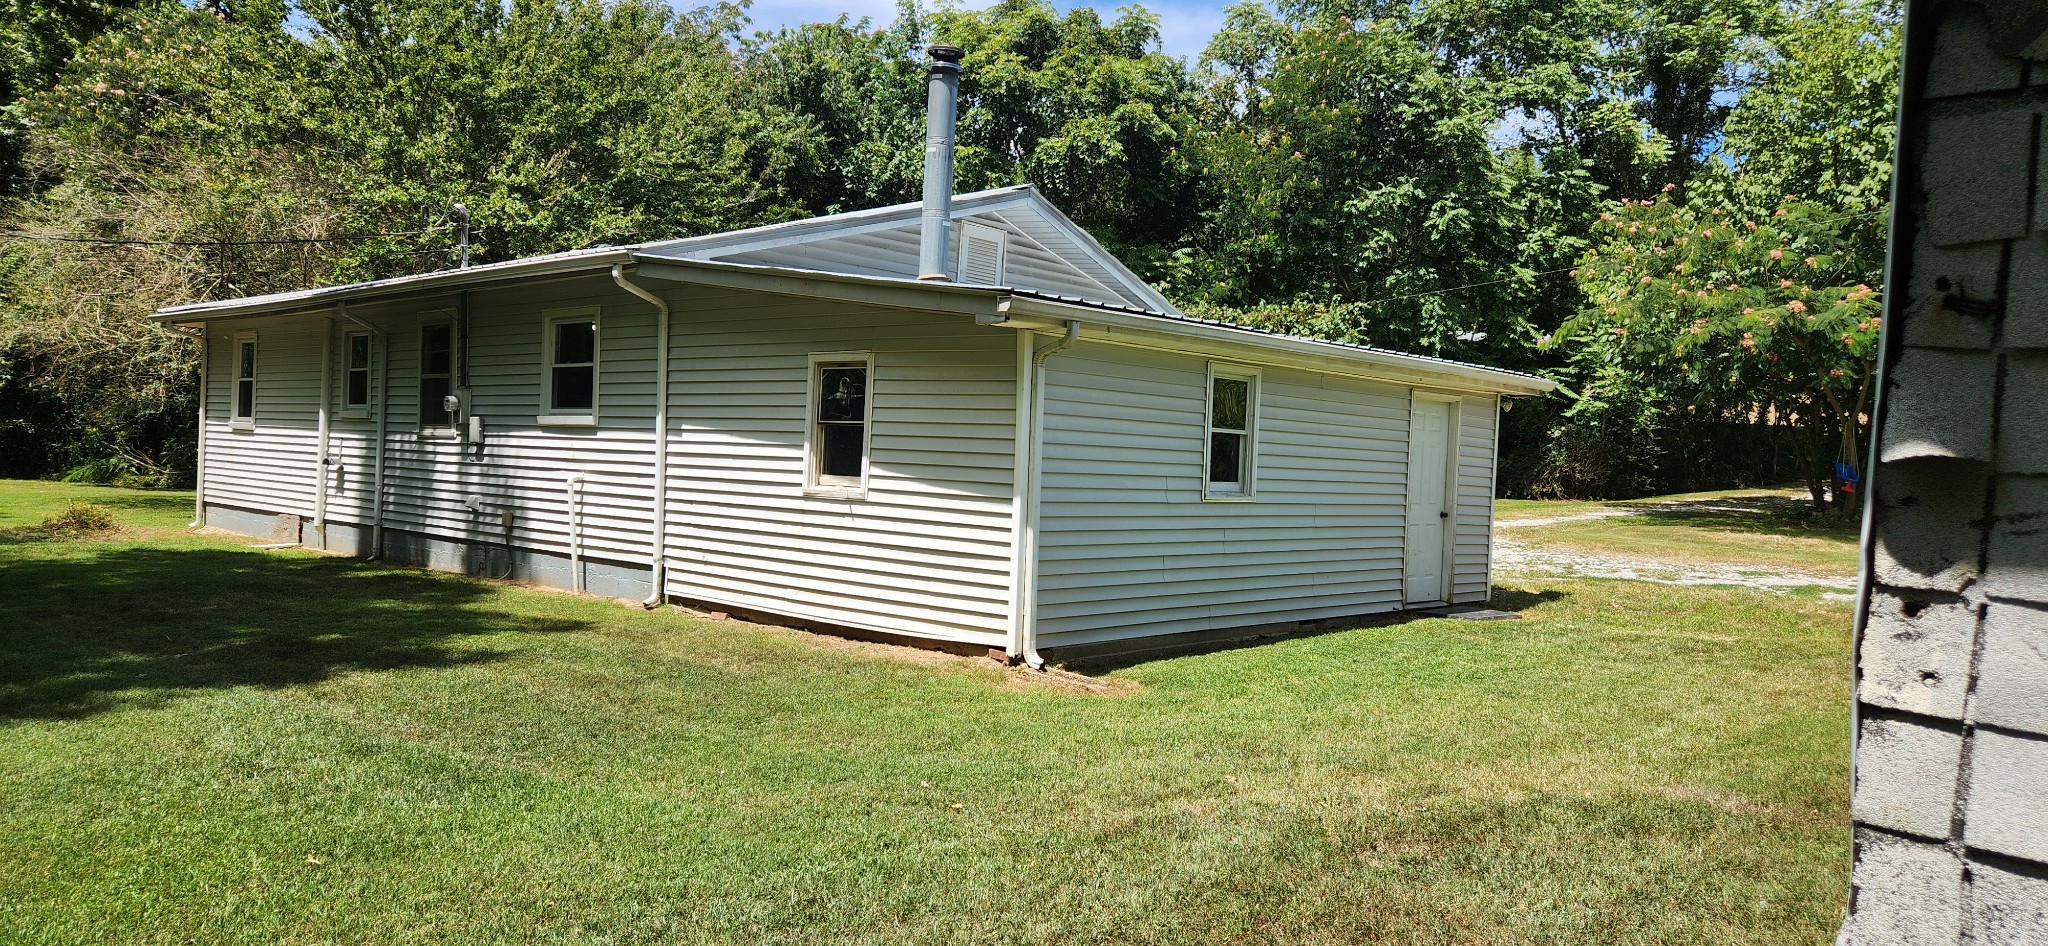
(243, 426)
(1228, 497)
(827, 491)
(438, 433)
(566, 420)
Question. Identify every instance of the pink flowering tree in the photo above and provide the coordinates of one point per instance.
(1767, 316)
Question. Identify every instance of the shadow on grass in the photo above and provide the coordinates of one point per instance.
(88, 628)
(167, 502)
(1762, 515)
(1518, 601)
(1504, 599)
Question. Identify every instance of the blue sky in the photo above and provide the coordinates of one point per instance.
(1184, 26)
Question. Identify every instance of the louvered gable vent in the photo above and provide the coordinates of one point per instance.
(981, 254)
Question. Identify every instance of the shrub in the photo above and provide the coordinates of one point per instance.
(81, 519)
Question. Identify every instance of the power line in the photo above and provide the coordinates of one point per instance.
(1561, 269)
(351, 238)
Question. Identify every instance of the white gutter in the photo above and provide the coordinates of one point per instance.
(555, 264)
(657, 560)
(1024, 632)
(323, 464)
(1191, 337)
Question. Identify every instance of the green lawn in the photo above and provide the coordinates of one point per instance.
(1767, 529)
(203, 742)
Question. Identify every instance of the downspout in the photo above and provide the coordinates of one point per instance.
(657, 559)
(1024, 636)
(942, 95)
(383, 367)
(199, 458)
(380, 367)
(324, 464)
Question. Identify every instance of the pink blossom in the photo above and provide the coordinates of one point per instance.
(1796, 306)
(1777, 254)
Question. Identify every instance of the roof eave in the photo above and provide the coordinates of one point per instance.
(1232, 341)
(445, 280)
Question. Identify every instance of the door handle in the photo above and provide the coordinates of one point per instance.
(1443, 515)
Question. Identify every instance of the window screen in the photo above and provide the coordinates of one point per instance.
(437, 357)
(1230, 408)
(245, 379)
(356, 384)
(572, 370)
(842, 423)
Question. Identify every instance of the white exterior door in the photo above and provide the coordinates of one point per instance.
(1429, 507)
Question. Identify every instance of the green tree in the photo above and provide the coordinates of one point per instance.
(1774, 316)
(1090, 111)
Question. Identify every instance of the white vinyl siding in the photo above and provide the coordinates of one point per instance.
(266, 467)
(1128, 547)
(1036, 253)
(927, 550)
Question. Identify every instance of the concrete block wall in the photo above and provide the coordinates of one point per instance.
(1951, 794)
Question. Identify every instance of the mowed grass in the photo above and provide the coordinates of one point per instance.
(1764, 529)
(203, 742)
(27, 503)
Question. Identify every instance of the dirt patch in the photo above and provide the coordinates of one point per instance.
(1534, 559)
(1067, 681)
(1512, 559)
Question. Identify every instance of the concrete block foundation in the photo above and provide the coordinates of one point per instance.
(481, 557)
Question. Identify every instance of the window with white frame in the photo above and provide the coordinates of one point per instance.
(840, 415)
(245, 381)
(569, 382)
(437, 374)
(355, 381)
(1233, 431)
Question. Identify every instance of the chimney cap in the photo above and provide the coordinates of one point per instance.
(948, 54)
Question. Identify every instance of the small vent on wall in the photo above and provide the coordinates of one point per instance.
(981, 254)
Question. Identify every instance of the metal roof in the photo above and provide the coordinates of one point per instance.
(1281, 344)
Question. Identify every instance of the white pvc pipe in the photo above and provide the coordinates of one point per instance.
(199, 458)
(321, 465)
(572, 482)
(1025, 642)
(657, 559)
(383, 367)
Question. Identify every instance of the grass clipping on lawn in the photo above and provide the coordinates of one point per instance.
(200, 742)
